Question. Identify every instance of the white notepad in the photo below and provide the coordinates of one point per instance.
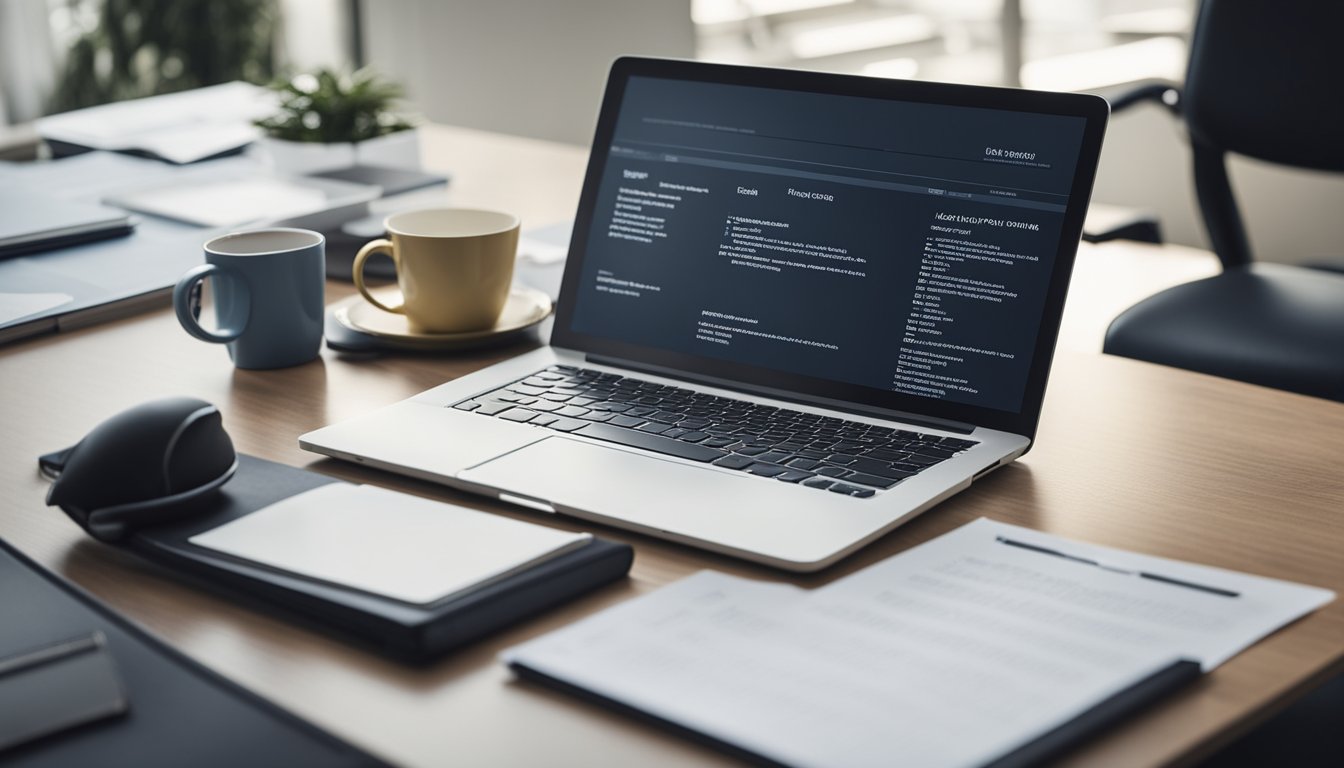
(391, 544)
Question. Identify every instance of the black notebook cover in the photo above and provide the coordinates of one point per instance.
(406, 631)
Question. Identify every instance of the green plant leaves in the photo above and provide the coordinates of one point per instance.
(329, 107)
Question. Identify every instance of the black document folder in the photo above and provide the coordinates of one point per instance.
(405, 631)
(177, 712)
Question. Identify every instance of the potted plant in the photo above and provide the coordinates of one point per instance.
(329, 120)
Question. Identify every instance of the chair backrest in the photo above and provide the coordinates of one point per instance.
(1266, 79)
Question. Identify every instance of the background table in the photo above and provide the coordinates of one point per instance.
(1131, 455)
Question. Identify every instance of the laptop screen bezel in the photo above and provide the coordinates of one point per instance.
(1092, 109)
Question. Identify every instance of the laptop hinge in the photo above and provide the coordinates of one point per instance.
(794, 397)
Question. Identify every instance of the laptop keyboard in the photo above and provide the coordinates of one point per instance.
(821, 452)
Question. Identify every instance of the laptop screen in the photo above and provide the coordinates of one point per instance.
(892, 246)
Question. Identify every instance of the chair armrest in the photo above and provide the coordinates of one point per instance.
(1110, 222)
(1164, 94)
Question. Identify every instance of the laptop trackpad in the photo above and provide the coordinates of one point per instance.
(702, 502)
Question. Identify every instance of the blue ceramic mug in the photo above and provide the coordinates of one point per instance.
(268, 288)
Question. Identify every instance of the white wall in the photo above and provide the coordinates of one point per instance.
(527, 67)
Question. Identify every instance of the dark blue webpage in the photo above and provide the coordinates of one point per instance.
(901, 246)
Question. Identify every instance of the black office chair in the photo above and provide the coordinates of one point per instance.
(1266, 80)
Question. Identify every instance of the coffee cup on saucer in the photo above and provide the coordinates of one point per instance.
(454, 268)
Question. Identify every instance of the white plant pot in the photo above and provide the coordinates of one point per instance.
(396, 150)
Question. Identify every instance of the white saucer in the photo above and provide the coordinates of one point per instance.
(525, 308)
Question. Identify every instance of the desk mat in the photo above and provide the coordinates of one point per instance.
(180, 713)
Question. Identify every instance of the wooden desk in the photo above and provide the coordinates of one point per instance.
(1130, 455)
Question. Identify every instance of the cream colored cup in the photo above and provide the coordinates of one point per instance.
(454, 267)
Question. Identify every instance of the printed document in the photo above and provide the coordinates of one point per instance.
(950, 654)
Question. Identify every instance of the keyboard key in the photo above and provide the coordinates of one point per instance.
(717, 442)
(957, 444)
(694, 437)
(524, 389)
(568, 425)
(803, 463)
(544, 419)
(467, 405)
(546, 405)
(774, 457)
(873, 480)
(936, 452)
(841, 458)
(675, 432)
(621, 420)
(832, 471)
(517, 414)
(653, 427)
(749, 450)
(556, 397)
(492, 407)
(883, 454)
(572, 411)
(765, 470)
(641, 410)
(793, 476)
(596, 416)
(851, 490)
(819, 482)
(733, 461)
(863, 464)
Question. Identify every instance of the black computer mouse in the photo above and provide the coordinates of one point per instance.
(142, 466)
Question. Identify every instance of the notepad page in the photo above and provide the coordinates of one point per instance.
(950, 654)
(388, 543)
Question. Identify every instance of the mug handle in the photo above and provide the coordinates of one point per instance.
(376, 246)
(188, 309)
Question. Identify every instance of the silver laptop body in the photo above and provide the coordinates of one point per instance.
(799, 309)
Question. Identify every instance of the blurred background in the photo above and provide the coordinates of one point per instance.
(536, 68)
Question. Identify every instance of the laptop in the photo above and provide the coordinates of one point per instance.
(798, 310)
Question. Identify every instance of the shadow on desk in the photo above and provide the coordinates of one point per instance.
(1306, 735)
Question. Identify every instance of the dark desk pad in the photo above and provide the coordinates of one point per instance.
(180, 712)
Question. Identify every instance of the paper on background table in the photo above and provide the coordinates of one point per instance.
(229, 202)
(391, 544)
(952, 653)
(179, 127)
